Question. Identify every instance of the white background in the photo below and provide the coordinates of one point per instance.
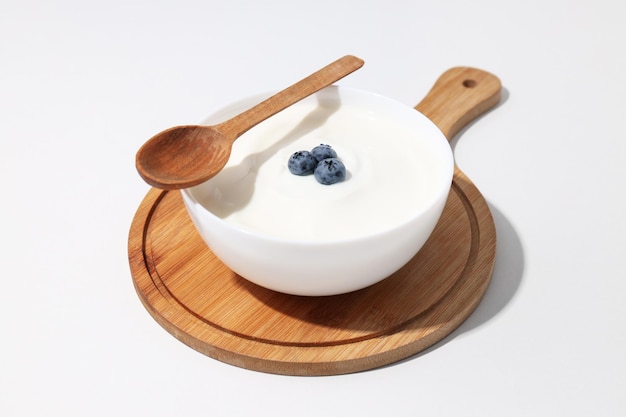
(84, 84)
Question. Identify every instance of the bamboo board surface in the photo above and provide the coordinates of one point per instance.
(196, 298)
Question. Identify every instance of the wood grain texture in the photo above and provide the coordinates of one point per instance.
(211, 309)
(459, 96)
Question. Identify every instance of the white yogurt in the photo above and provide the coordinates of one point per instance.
(394, 171)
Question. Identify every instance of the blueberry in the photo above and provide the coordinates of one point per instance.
(330, 171)
(322, 152)
(302, 163)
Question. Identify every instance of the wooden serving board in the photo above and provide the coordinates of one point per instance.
(213, 310)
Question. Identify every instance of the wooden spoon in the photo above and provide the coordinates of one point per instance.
(185, 156)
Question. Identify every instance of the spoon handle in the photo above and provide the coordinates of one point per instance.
(459, 96)
(324, 77)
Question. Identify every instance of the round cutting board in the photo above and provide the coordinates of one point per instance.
(202, 303)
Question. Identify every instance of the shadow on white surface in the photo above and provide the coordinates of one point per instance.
(507, 274)
(505, 281)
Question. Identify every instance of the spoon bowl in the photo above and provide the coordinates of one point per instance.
(184, 156)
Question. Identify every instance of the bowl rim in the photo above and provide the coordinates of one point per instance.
(442, 192)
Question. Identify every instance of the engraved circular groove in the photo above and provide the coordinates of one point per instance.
(314, 321)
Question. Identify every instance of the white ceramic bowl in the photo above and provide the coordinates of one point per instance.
(291, 234)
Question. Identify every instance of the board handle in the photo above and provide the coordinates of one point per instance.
(459, 96)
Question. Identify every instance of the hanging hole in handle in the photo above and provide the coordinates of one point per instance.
(469, 83)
